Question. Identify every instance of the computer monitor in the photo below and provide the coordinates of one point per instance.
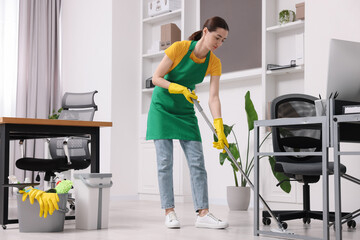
(344, 70)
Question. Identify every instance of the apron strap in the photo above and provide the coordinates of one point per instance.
(192, 46)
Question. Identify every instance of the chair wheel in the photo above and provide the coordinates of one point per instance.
(72, 206)
(284, 225)
(266, 221)
(351, 224)
(4, 227)
(306, 220)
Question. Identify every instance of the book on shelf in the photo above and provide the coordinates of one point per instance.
(351, 109)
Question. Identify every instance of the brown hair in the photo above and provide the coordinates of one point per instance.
(211, 24)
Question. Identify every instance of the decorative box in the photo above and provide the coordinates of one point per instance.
(170, 33)
(300, 11)
(162, 6)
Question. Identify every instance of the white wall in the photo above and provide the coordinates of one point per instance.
(325, 20)
(100, 50)
(125, 97)
(86, 27)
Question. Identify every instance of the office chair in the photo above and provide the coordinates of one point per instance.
(70, 152)
(305, 169)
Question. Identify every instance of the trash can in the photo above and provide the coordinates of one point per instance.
(29, 220)
(92, 197)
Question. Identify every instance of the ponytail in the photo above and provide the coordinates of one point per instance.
(211, 24)
(196, 36)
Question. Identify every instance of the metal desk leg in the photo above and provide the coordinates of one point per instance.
(4, 172)
(325, 175)
(95, 150)
(338, 225)
(256, 181)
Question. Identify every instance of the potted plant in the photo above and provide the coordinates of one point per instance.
(55, 115)
(238, 196)
(286, 16)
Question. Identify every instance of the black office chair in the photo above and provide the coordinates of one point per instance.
(70, 152)
(305, 169)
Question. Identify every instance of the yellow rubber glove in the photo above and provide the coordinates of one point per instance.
(48, 203)
(175, 88)
(25, 194)
(219, 127)
(35, 193)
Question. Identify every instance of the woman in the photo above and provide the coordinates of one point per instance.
(172, 116)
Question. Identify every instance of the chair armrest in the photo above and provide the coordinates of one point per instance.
(66, 148)
(22, 150)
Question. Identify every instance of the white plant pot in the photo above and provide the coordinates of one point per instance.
(238, 198)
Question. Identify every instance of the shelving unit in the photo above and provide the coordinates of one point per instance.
(281, 43)
(299, 24)
(297, 69)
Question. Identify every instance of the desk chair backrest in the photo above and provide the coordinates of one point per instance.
(296, 138)
(76, 106)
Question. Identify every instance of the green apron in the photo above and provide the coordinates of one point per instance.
(171, 116)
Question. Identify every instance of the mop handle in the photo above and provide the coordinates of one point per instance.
(199, 108)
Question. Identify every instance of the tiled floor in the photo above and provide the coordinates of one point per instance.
(143, 220)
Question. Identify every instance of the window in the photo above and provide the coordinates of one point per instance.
(9, 15)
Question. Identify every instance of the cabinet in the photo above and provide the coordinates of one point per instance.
(185, 18)
(280, 45)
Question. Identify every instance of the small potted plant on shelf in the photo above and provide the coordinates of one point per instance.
(286, 16)
(238, 196)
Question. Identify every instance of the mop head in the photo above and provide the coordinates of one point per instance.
(279, 230)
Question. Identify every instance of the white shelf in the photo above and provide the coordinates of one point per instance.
(236, 76)
(296, 69)
(225, 78)
(286, 27)
(154, 55)
(162, 17)
(147, 90)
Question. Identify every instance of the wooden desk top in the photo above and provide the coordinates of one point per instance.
(53, 122)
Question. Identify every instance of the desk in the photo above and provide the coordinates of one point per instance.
(29, 128)
(320, 122)
(338, 121)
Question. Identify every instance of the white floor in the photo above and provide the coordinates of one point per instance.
(135, 220)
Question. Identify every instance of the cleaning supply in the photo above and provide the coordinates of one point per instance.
(175, 88)
(48, 202)
(219, 128)
(64, 186)
(25, 192)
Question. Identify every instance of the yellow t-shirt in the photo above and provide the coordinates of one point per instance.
(178, 50)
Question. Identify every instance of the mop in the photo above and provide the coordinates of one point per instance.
(280, 227)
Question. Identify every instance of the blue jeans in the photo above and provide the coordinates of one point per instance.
(195, 158)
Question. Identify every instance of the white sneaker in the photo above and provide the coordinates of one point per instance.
(171, 220)
(210, 221)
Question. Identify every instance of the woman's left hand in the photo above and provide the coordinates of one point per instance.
(222, 141)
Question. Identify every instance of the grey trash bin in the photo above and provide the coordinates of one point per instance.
(92, 197)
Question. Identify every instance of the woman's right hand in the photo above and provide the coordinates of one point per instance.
(175, 88)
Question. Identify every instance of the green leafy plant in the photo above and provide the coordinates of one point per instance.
(286, 16)
(55, 115)
(247, 163)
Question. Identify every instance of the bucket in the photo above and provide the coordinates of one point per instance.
(29, 220)
(92, 197)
